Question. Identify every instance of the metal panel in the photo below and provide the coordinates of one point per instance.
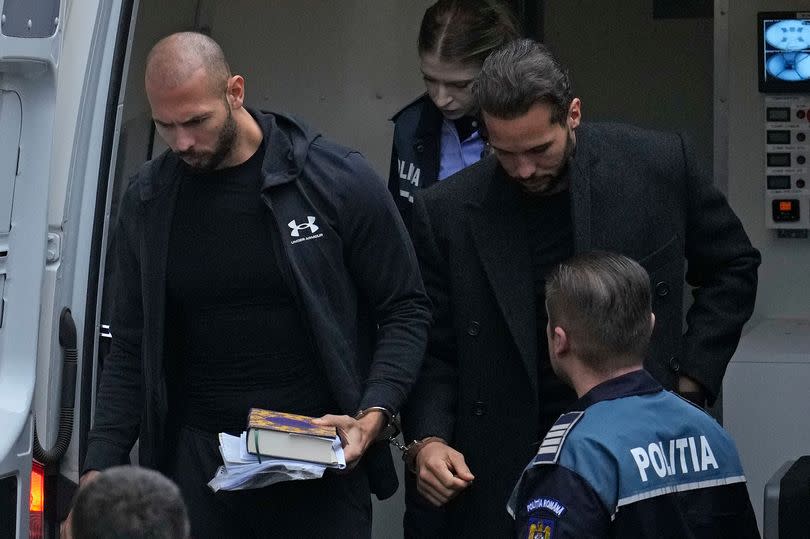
(765, 405)
(10, 122)
(2, 296)
(30, 18)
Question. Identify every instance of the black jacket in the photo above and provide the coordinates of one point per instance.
(355, 278)
(415, 153)
(634, 192)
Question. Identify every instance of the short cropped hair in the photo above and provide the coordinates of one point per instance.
(603, 302)
(129, 502)
(519, 75)
(466, 31)
(173, 59)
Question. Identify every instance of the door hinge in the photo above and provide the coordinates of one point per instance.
(54, 247)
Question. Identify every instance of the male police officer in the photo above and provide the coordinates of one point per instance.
(628, 459)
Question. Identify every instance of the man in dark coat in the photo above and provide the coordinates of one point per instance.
(258, 265)
(486, 239)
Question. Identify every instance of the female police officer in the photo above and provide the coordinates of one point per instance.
(437, 135)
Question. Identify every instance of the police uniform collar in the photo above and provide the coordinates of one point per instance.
(638, 382)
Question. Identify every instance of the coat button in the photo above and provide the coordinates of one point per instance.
(673, 364)
(479, 408)
(474, 328)
(661, 289)
(419, 147)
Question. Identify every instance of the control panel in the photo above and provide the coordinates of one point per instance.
(787, 170)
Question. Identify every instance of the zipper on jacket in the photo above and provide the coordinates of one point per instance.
(285, 267)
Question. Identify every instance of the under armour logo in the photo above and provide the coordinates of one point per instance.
(296, 228)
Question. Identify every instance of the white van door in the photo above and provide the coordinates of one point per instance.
(57, 60)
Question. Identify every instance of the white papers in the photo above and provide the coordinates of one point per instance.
(241, 470)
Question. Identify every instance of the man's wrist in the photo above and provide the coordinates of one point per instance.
(383, 420)
(413, 449)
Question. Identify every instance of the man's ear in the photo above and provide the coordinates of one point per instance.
(236, 91)
(574, 113)
(559, 342)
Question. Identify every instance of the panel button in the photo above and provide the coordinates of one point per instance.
(474, 328)
(800, 137)
(800, 159)
(661, 289)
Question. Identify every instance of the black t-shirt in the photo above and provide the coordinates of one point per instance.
(551, 241)
(236, 338)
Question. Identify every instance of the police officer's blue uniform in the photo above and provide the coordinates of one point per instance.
(426, 149)
(633, 460)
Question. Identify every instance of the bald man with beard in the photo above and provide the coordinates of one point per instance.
(258, 265)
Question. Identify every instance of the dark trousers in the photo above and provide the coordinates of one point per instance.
(422, 520)
(338, 505)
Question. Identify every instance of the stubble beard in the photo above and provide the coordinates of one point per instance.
(549, 184)
(226, 140)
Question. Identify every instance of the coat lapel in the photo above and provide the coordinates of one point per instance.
(503, 247)
(580, 185)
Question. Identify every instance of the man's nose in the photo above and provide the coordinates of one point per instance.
(183, 141)
(525, 168)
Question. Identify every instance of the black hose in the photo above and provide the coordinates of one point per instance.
(67, 340)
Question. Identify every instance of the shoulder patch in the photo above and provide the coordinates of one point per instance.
(549, 451)
(539, 527)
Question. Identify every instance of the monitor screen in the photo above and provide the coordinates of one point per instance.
(784, 51)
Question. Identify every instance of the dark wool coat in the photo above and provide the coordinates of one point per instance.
(634, 192)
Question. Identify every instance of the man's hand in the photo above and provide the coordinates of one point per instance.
(355, 434)
(441, 473)
(65, 528)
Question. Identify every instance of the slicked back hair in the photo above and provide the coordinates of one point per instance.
(519, 75)
(466, 31)
(603, 302)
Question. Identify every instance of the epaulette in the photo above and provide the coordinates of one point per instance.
(550, 448)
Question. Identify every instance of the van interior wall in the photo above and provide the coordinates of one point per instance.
(627, 66)
(343, 67)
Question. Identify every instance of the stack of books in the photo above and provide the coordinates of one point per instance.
(276, 447)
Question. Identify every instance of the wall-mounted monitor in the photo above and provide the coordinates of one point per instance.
(784, 51)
